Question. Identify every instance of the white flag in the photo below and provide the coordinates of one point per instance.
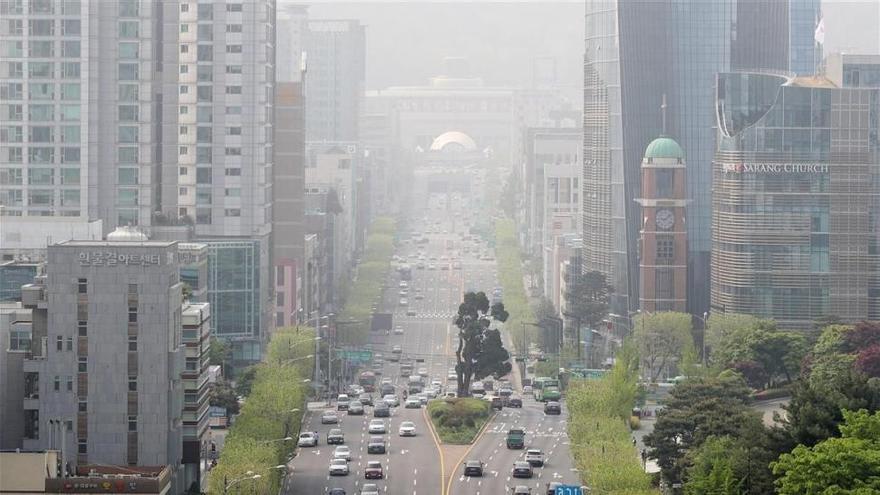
(819, 35)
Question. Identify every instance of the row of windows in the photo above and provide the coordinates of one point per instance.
(40, 197)
(206, 11)
(44, 7)
(40, 176)
(41, 112)
(41, 27)
(42, 48)
(41, 155)
(39, 91)
(39, 134)
(40, 70)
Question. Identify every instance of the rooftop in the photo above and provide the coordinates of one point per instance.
(812, 82)
(664, 147)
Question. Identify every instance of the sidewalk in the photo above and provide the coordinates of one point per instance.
(647, 426)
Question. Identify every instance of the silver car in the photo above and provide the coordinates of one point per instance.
(338, 467)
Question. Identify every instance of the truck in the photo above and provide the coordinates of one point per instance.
(516, 438)
(415, 384)
(549, 393)
(406, 368)
(382, 322)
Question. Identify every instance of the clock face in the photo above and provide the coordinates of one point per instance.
(664, 219)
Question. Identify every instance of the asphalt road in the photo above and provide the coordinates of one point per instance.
(412, 465)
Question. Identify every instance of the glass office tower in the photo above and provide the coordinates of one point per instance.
(635, 53)
(796, 188)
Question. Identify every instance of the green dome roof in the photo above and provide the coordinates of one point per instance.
(664, 147)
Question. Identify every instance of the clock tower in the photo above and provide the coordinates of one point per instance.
(663, 240)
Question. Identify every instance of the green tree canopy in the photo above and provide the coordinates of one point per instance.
(480, 352)
(663, 339)
(836, 466)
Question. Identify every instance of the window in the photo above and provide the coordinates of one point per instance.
(132, 314)
(70, 49)
(56, 383)
(70, 155)
(127, 155)
(82, 329)
(41, 113)
(205, 93)
(71, 27)
(233, 69)
(15, 134)
(128, 113)
(41, 7)
(82, 447)
(233, 90)
(127, 176)
(128, 134)
(232, 212)
(233, 131)
(70, 134)
(233, 28)
(36, 134)
(82, 406)
(40, 197)
(41, 176)
(69, 383)
(132, 383)
(59, 343)
(182, 150)
(182, 191)
(68, 342)
(128, 92)
(184, 48)
(233, 151)
(11, 49)
(203, 216)
(184, 110)
(128, 8)
(82, 285)
(183, 171)
(233, 172)
(132, 423)
(203, 175)
(184, 89)
(41, 27)
(205, 73)
(70, 70)
(19, 340)
(206, 12)
(70, 91)
(184, 7)
(132, 343)
(203, 196)
(205, 53)
(69, 176)
(128, 72)
(70, 112)
(205, 114)
(232, 192)
(41, 155)
(204, 134)
(233, 7)
(205, 32)
(184, 28)
(129, 50)
(40, 69)
(128, 29)
(233, 48)
(233, 110)
(82, 364)
(665, 248)
(40, 49)
(11, 69)
(11, 91)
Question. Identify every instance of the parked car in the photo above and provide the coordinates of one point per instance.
(522, 469)
(407, 429)
(376, 426)
(338, 467)
(374, 471)
(376, 445)
(473, 468)
(535, 457)
(329, 417)
(308, 439)
(335, 437)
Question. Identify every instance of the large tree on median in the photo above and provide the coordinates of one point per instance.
(480, 352)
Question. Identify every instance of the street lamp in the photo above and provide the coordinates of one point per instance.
(248, 476)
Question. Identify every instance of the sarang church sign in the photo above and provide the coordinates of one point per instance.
(775, 168)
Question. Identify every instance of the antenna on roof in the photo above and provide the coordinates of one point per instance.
(663, 114)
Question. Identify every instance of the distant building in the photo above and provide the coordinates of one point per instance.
(663, 236)
(334, 80)
(853, 70)
(795, 191)
(14, 274)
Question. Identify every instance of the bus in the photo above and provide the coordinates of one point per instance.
(367, 380)
(541, 382)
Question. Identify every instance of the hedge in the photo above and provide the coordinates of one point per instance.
(601, 441)
(457, 421)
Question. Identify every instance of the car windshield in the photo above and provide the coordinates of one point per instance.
(305, 435)
(374, 464)
(407, 424)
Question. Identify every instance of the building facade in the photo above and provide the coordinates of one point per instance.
(334, 81)
(635, 53)
(795, 190)
(105, 396)
(663, 236)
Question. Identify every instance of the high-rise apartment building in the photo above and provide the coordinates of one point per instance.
(635, 53)
(335, 75)
(795, 191)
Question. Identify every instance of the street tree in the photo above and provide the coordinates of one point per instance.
(586, 299)
(697, 409)
(223, 395)
(480, 352)
(846, 465)
(220, 354)
(662, 339)
(711, 469)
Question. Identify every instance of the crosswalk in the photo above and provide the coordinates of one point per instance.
(427, 315)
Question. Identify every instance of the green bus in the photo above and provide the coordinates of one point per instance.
(542, 382)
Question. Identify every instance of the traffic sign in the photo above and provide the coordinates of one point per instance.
(569, 490)
(355, 356)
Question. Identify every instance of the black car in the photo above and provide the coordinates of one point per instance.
(522, 469)
(376, 445)
(552, 408)
(473, 468)
(336, 491)
(514, 401)
(382, 411)
(335, 437)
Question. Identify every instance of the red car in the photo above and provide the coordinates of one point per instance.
(374, 471)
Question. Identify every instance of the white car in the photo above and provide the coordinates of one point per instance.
(398, 330)
(338, 467)
(370, 489)
(403, 284)
(342, 452)
(376, 426)
(413, 403)
(437, 384)
(307, 439)
(329, 417)
(342, 402)
(391, 400)
(403, 301)
(423, 372)
(535, 457)
(407, 429)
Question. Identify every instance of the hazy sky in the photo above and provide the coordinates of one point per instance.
(407, 40)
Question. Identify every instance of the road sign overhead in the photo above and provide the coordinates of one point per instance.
(568, 490)
(360, 356)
